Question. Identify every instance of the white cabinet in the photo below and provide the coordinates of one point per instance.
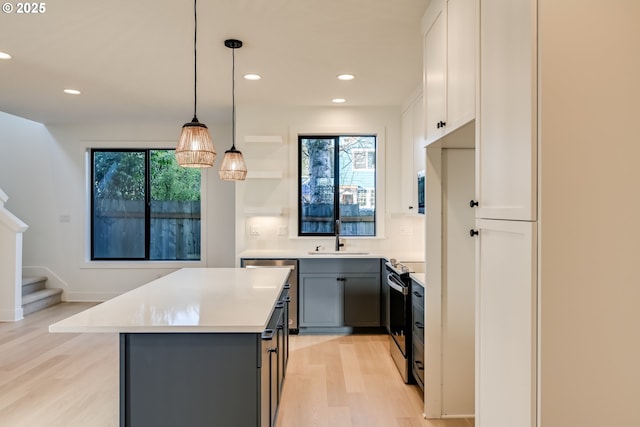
(506, 123)
(506, 318)
(449, 66)
(413, 154)
(434, 72)
(506, 175)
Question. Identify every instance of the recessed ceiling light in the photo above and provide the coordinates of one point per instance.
(338, 100)
(4, 55)
(346, 77)
(252, 76)
(72, 91)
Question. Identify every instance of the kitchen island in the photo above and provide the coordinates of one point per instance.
(201, 346)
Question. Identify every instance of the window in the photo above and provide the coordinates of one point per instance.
(143, 206)
(337, 181)
(364, 159)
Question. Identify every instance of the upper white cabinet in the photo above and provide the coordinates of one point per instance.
(413, 154)
(449, 66)
(506, 123)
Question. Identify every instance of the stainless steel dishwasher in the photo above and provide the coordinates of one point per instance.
(293, 281)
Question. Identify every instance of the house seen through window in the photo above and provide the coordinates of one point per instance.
(337, 181)
(143, 206)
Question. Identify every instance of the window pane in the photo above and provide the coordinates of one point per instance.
(175, 209)
(317, 169)
(118, 204)
(357, 185)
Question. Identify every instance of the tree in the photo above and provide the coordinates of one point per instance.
(120, 175)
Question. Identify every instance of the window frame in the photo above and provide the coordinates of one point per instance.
(336, 179)
(147, 211)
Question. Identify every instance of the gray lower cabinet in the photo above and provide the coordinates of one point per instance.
(321, 300)
(339, 292)
(203, 379)
(417, 333)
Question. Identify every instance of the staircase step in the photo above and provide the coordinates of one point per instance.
(31, 284)
(41, 299)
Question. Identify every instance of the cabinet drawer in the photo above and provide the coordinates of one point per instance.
(338, 266)
(418, 322)
(417, 366)
(417, 295)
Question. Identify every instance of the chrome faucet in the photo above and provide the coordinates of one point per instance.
(338, 244)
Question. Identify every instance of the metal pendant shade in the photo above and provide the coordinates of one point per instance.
(195, 147)
(233, 167)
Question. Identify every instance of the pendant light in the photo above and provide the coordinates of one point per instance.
(233, 167)
(195, 147)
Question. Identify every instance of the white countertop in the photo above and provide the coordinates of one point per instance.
(188, 300)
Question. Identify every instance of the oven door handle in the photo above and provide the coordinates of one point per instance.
(396, 284)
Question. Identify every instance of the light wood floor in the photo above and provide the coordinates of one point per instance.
(69, 380)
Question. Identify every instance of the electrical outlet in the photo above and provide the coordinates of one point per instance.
(254, 231)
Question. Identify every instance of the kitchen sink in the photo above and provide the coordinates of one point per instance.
(337, 253)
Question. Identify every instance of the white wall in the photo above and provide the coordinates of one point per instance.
(279, 195)
(43, 170)
(589, 213)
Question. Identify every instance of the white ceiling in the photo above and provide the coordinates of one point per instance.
(133, 59)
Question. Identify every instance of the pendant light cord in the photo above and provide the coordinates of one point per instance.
(195, 57)
(233, 98)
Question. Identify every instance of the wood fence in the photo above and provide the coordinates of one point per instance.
(119, 230)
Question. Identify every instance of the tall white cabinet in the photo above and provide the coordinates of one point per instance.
(506, 214)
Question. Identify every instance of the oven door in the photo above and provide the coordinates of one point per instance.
(398, 297)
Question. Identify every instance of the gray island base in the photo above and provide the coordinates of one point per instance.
(190, 379)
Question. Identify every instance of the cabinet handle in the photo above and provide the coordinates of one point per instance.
(473, 232)
(418, 294)
(473, 203)
(419, 365)
(341, 279)
(441, 124)
(268, 334)
(419, 325)
(272, 349)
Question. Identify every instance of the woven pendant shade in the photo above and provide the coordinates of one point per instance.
(195, 147)
(233, 167)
